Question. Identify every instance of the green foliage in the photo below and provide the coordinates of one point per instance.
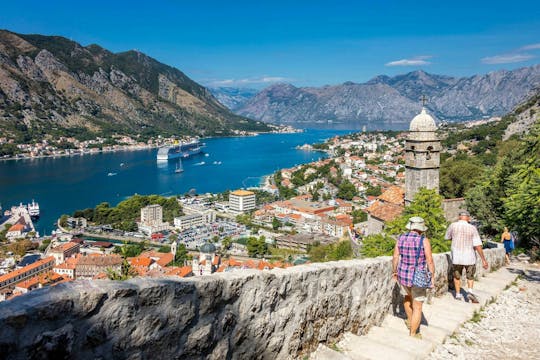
(263, 197)
(130, 249)
(244, 219)
(331, 252)
(63, 220)
(459, 175)
(347, 190)
(377, 245)
(44, 245)
(164, 249)
(359, 216)
(276, 224)
(426, 204)
(9, 150)
(181, 255)
(124, 215)
(522, 205)
(373, 190)
(256, 246)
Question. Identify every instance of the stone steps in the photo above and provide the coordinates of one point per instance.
(440, 319)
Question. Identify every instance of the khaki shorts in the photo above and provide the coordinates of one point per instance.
(470, 271)
(417, 294)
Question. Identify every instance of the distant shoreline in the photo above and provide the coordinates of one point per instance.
(79, 154)
(149, 147)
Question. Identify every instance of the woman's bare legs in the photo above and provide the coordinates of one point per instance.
(416, 316)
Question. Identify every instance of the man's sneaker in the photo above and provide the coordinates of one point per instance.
(459, 297)
(472, 298)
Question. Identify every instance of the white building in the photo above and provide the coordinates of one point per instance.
(242, 200)
(152, 220)
(188, 221)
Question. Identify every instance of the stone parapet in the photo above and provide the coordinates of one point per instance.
(280, 313)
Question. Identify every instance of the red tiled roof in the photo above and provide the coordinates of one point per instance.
(233, 262)
(385, 211)
(27, 268)
(394, 195)
(140, 261)
(65, 247)
(16, 227)
(179, 271)
(163, 259)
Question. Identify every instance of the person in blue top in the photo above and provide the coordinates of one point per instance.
(508, 243)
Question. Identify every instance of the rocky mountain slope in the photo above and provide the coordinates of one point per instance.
(50, 83)
(395, 99)
(233, 98)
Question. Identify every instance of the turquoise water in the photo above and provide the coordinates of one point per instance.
(64, 184)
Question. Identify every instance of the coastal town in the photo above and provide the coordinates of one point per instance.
(324, 202)
(54, 146)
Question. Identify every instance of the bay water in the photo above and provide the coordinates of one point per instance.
(62, 185)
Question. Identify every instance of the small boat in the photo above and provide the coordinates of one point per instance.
(121, 164)
(179, 168)
(111, 174)
(199, 163)
(206, 154)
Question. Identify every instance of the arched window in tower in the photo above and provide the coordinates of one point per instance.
(429, 150)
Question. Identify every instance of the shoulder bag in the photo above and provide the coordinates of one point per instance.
(421, 277)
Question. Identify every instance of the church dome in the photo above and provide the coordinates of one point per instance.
(423, 122)
(208, 248)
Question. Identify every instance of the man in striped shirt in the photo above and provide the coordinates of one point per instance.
(465, 240)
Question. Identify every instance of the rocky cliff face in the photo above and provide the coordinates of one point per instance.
(395, 99)
(233, 98)
(49, 82)
(250, 314)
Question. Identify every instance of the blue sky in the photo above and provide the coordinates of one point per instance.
(307, 43)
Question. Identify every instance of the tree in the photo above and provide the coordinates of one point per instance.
(426, 204)
(181, 255)
(522, 205)
(226, 242)
(276, 224)
(256, 246)
(164, 249)
(458, 175)
(377, 245)
(373, 190)
(63, 220)
(330, 252)
(359, 215)
(347, 190)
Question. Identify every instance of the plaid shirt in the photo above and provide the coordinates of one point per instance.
(408, 245)
(464, 238)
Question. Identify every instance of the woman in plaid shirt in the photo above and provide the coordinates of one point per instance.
(404, 266)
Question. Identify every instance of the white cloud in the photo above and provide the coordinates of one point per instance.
(415, 61)
(530, 47)
(507, 58)
(261, 80)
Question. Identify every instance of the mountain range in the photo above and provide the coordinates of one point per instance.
(393, 100)
(51, 84)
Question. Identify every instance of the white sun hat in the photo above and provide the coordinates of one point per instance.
(416, 223)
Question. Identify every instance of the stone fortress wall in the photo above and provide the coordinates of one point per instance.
(275, 314)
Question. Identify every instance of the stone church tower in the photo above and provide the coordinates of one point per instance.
(422, 156)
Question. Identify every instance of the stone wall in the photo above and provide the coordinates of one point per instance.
(452, 207)
(237, 315)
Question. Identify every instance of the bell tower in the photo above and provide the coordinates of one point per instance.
(422, 155)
